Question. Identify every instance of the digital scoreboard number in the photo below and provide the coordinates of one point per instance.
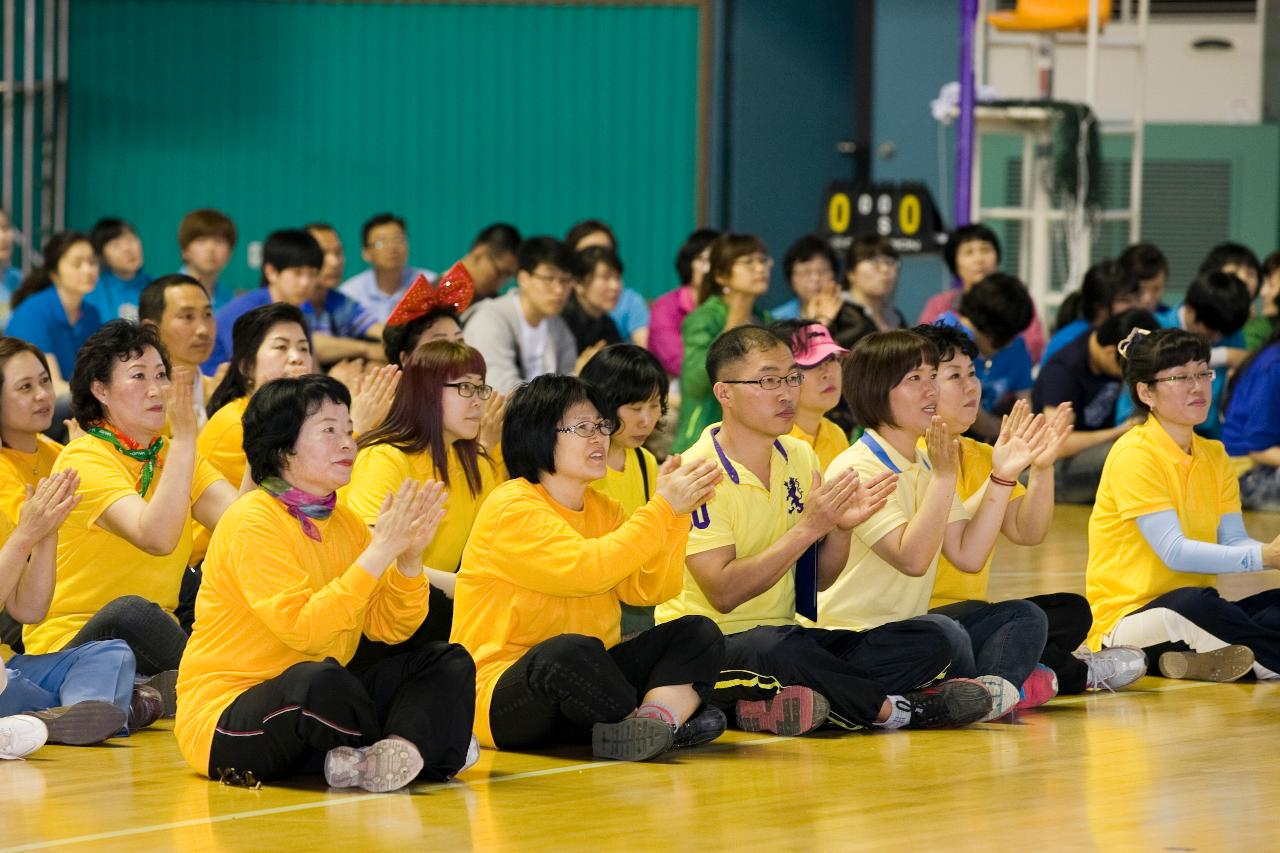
(905, 213)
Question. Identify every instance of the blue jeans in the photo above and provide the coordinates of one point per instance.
(1004, 639)
(100, 670)
(151, 632)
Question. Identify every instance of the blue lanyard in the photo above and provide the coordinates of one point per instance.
(881, 454)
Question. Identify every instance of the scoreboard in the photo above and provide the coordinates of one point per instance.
(905, 213)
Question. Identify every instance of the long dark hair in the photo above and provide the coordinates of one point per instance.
(41, 276)
(415, 421)
(247, 336)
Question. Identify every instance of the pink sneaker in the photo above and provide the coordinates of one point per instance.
(1041, 686)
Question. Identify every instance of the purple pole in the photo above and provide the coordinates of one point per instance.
(964, 128)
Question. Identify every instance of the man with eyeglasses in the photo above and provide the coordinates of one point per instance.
(386, 251)
(762, 547)
(521, 334)
(492, 259)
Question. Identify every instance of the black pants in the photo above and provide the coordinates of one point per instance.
(1200, 620)
(186, 609)
(434, 629)
(285, 726)
(854, 670)
(1069, 622)
(157, 641)
(565, 685)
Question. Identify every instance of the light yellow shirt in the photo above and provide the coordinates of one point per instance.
(870, 591)
(750, 516)
(627, 486)
(829, 443)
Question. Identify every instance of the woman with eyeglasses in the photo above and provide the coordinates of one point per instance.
(1167, 521)
(549, 562)
(432, 433)
(739, 275)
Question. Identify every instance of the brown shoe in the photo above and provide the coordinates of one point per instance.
(1228, 663)
(145, 707)
(83, 723)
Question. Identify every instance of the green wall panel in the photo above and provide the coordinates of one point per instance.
(452, 115)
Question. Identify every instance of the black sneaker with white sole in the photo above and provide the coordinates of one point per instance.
(955, 702)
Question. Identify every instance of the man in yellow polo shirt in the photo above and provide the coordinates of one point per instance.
(759, 552)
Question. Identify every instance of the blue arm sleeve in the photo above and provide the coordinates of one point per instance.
(1164, 534)
(1231, 531)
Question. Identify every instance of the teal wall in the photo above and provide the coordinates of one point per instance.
(452, 115)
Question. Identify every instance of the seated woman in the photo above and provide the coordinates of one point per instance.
(399, 341)
(547, 565)
(1026, 522)
(122, 551)
(809, 267)
(26, 411)
(292, 581)
(428, 313)
(1167, 521)
(820, 359)
(693, 262)
(595, 293)
(432, 433)
(891, 382)
(1109, 288)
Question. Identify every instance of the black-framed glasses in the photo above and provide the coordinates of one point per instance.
(470, 389)
(1188, 380)
(588, 429)
(770, 382)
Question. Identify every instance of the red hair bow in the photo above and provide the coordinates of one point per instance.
(454, 290)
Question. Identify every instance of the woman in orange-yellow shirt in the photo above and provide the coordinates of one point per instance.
(548, 564)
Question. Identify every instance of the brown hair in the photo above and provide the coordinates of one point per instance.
(725, 251)
(206, 222)
(867, 247)
(875, 366)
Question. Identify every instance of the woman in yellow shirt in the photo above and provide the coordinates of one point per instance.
(122, 550)
(26, 411)
(634, 387)
(821, 359)
(548, 563)
(292, 581)
(1167, 521)
(431, 433)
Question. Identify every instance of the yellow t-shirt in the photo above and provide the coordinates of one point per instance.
(951, 584)
(533, 570)
(382, 468)
(96, 567)
(627, 486)
(870, 591)
(19, 470)
(272, 597)
(829, 443)
(750, 516)
(1145, 472)
(222, 441)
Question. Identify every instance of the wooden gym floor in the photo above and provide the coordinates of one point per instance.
(1163, 766)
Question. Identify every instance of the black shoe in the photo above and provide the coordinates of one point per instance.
(703, 727)
(83, 723)
(956, 702)
(166, 684)
(633, 739)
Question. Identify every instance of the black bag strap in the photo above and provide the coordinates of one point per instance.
(644, 473)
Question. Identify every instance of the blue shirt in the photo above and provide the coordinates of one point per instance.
(1003, 374)
(1253, 412)
(363, 288)
(631, 313)
(1062, 337)
(226, 318)
(116, 298)
(9, 283)
(41, 320)
(789, 310)
(341, 317)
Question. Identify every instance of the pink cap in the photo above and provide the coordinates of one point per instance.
(818, 346)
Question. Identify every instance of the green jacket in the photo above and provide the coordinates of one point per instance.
(698, 406)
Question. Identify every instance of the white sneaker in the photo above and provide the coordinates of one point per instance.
(21, 735)
(473, 755)
(1004, 696)
(387, 765)
(1114, 668)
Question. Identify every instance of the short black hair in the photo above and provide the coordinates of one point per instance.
(275, 416)
(107, 229)
(1235, 254)
(973, 232)
(1118, 326)
(247, 335)
(592, 256)
(625, 374)
(1221, 301)
(805, 249)
(398, 341)
(1104, 283)
(291, 248)
(999, 306)
(1144, 261)
(738, 343)
(151, 301)
(693, 246)
(546, 250)
(380, 219)
(1147, 355)
(529, 429)
(587, 227)
(948, 340)
(499, 238)
(875, 366)
(116, 341)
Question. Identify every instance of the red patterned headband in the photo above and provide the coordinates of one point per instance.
(454, 290)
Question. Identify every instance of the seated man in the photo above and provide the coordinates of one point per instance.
(1086, 375)
(177, 307)
(521, 334)
(386, 250)
(762, 547)
(206, 238)
(994, 312)
(340, 326)
(491, 260)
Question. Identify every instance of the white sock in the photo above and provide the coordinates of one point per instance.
(899, 713)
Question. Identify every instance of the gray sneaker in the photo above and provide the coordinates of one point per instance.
(1225, 664)
(1113, 668)
(387, 765)
(1004, 696)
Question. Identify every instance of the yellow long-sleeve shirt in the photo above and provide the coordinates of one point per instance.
(271, 598)
(533, 570)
